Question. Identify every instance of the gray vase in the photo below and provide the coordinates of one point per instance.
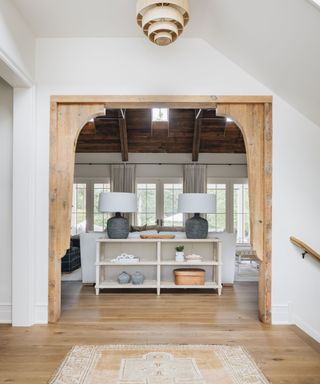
(118, 227)
(124, 278)
(197, 227)
(137, 278)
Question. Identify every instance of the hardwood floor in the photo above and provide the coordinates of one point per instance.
(284, 353)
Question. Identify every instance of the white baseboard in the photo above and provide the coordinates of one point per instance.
(5, 313)
(306, 328)
(282, 314)
(41, 314)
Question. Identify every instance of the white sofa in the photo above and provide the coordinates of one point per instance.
(88, 253)
(228, 254)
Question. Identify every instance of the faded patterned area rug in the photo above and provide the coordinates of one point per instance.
(158, 364)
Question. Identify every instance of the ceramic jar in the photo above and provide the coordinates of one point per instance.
(124, 278)
(137, 278)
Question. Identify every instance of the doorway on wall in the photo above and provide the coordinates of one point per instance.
(90, 121)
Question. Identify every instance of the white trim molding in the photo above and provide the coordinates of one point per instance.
(5, 313)
(282, 314)
(23, 214)
(12, 73)
(41, 314)
(306, 328)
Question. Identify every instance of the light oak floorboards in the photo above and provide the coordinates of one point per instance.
(284, 353)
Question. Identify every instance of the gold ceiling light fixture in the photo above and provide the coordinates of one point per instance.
(162, 21)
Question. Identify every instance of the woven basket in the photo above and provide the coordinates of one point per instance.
(189, 276)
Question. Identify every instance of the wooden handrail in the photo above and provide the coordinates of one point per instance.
(306, 249)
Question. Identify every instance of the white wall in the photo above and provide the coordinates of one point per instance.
(6, 126)
(17, 67)
(191, 66)
(296, 211)
(23, 214)
(153, 169)
(17, 47)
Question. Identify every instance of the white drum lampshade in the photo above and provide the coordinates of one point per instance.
(197, 203)
(118, 202)
(196, 226)
(162, 21)
(118, 226)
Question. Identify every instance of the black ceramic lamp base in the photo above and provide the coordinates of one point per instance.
(197, 227)
(118, 227)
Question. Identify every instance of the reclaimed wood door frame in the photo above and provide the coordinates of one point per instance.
(69, 114)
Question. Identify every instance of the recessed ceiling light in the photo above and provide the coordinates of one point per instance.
(229, 120)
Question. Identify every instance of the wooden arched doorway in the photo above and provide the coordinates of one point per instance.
(253, 115)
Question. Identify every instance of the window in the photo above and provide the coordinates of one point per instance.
(78, 215)
(147, 204)
(99, 219)
(160, 114)
(241, 219)
(217, 221)
(171, 217)
(158, 202)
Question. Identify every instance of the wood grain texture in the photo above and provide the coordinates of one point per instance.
(165, 101)
(306, 249)
(123, 139)
(284, 353)
(255, 122)
(181, 134)
(66, 123)
(70, 114)
(266, 267)
(196, 137)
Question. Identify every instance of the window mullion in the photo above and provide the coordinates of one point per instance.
(160, 200)
(229, 207)
(89, 205)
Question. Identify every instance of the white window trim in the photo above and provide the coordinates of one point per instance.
(229, 181)
(90, 181)
(229, 199)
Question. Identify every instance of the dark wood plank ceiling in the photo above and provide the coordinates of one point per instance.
(133, 129)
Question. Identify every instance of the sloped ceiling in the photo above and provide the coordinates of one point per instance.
(276, 41)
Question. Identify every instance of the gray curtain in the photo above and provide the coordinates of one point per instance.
(194, 181)
(123, 179)
(194, 178)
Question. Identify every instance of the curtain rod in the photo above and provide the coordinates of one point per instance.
(161, 164)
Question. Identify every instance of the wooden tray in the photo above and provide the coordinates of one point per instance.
(157, 236)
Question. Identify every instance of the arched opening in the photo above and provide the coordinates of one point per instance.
(255, 116)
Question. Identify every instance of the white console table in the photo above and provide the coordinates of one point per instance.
(157, 262)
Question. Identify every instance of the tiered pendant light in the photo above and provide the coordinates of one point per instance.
(162, 21)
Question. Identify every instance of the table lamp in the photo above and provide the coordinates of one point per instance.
(196, 226)
(118, 226)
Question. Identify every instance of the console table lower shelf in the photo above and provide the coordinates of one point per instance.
(156, 263)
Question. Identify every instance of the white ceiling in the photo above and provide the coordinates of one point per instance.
(276, 41)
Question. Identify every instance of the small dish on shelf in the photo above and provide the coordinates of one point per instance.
(193, 258)
(124, 258)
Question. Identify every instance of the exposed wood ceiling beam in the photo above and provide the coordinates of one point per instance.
(123, 135)
(196, 136)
